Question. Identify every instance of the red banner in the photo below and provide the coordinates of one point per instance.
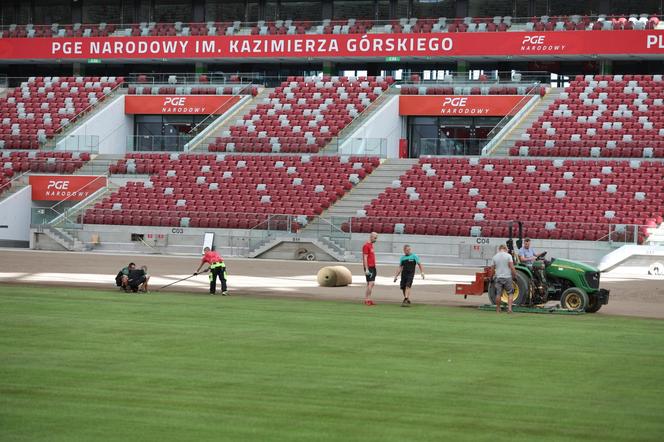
(179, 104)
(461, 105)
(65, 187)
(520, 44)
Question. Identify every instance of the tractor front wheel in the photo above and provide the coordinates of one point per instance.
(593, 304)
(574, 299)
(521, 291)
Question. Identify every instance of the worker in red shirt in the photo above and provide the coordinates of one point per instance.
(369, 262)
(217, 270)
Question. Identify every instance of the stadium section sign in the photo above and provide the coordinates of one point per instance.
(460, 105)
(330, 46)
(179, 104)
(65, 187)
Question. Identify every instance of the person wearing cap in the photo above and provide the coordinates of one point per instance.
(217, 270)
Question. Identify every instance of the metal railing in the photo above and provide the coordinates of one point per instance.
(72, 143)
(21, 179)
(532, 92)
(207, 121)
(507, 123)
(211, 79)
(448, 146)
(336, 146)
(489, 78)
(158, 143)
(615, 233)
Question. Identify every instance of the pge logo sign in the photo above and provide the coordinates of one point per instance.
(533, 40)
(175, 101)
(58, 185)
(455, 102)
(538, 43)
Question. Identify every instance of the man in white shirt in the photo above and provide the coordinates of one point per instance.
(503, 272)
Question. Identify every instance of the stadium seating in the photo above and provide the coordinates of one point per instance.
(42, 106)
(346, 26)
(302, 115)
(601, 116)
(557, 199)
(56, 30)
(13, 163)
(219, 191)
(600, 23)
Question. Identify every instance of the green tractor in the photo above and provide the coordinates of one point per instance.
(574, 284)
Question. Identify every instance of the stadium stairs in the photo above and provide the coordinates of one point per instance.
(326, 230)
(514, 135)
(225, 122)
(99, 164)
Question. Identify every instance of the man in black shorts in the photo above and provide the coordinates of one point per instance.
(369, 262)
(407, 265)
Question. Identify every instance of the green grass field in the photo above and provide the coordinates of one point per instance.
(90, 365)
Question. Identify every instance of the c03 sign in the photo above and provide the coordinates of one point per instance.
(177, 230)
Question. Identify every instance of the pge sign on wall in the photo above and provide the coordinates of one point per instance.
(179, 104)
(461, 105)
(65, 187)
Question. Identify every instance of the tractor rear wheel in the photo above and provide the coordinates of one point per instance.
(593, 304)
(574, 299)
(521, 291)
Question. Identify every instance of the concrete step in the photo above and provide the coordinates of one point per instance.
(369, 188)
(230, 120)
(98, 164)
(526, 122)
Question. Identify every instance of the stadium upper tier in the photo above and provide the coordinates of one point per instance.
(302, 115)
(557, 199)
(601, 116)
(42, 106)
(348, 26)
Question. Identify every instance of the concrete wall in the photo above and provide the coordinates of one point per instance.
(438, 250)
(470, 251)
(384, 123)
(110, 124)
(296, 251)
(15, 214)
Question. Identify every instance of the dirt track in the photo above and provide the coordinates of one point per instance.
(630, 297)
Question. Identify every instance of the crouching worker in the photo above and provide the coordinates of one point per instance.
(138, 279)
(217, 270)
(122, 277)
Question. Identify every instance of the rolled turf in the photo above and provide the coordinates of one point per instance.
(94, 365)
